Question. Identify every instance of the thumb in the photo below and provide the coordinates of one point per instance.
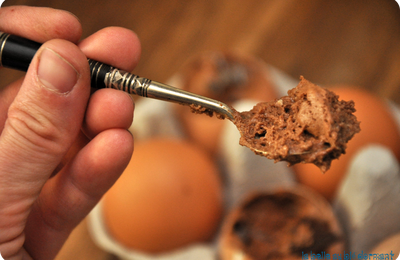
(42, 123)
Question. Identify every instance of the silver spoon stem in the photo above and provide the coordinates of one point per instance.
(105, 76)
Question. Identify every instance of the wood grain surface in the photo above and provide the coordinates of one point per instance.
(353, 42)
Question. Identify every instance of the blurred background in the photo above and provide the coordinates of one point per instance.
(328, 42)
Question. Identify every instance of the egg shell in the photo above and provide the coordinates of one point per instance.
(231, 248)
(169, 196)
(378, 126)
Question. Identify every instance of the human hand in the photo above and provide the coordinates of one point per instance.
(51, 174)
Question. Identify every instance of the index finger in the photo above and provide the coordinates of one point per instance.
(40, 24)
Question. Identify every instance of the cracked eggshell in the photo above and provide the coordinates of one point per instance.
(273, 223)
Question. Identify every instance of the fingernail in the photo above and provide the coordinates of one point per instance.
(56, 73)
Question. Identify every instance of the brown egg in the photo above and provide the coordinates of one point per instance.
(285, 224)
(377, 127)
(226, 77)
(168, 197)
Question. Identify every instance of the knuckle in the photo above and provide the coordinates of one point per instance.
(34, 127)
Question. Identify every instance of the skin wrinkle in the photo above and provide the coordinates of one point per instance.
(12, 234)
(40, 209)
(11, 184)
(15, 237)
(16, 208)
(39, 136)
(82, 193)
(14, 246)
(81, 190)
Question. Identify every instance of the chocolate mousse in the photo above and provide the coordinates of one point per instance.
(310, 125)
(286, 224)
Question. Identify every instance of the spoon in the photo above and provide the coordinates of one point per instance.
(17, 52)
(105, 76)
